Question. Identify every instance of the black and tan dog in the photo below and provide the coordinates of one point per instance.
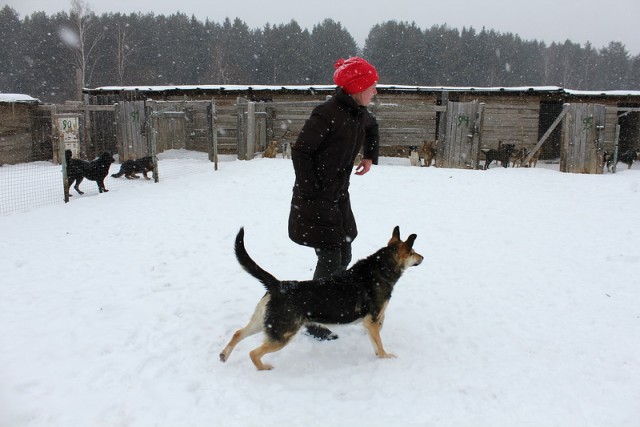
(95, 170)
(359, 293)
(130, 168)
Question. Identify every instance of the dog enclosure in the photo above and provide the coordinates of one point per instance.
(243, 120)
(248, 118)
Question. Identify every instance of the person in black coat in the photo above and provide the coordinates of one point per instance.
(323, 158)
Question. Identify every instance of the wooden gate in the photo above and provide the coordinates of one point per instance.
(583, 139)
(132, 135)
(252, 127)
(169, 120)
(460, 135)
(188, 125)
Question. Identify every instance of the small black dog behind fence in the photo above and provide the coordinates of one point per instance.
(30, 185)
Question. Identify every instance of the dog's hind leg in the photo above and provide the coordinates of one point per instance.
(269, 346)
(373, 327)
(255, 325)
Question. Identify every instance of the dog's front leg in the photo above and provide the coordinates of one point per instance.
(373, 328)
(101, 187)
(77, 186)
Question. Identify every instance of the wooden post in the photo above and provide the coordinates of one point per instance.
(251, 130)
(63, 161)
(213, 130)
(477, 137)
(614, 158)
(86, 130)
(154, 147)
(241, 128)
(442, 129)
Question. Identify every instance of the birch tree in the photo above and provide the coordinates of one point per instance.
(82, 39)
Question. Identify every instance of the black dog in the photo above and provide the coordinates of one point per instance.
(628, 157)
(502, 154)
(359, 293)
(95, 170)
(130, 168)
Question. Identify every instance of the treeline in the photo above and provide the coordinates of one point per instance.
(53, 57)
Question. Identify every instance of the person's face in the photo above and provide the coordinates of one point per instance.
(364, 98)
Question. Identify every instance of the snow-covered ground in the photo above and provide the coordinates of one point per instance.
(526, 311)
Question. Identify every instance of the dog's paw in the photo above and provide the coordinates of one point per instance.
(387, 356)
(265, 367)
(223, 356)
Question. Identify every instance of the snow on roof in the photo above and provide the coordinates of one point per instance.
(404, 88)
(230, 88)
(602, 92)
(17, 97)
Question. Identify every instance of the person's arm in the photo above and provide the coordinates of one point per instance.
(371, 147)
(311, 136)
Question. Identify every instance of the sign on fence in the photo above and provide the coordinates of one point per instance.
(67, 132)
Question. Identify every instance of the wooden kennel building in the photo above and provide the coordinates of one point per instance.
(463, 121)
(24, 133)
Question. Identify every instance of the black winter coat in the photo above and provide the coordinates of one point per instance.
(323, 157)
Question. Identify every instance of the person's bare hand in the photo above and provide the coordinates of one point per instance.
(364, 166)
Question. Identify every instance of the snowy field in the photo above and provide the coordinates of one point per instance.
(526, 311)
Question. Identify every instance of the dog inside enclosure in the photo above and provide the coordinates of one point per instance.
(271, 150)
(95, 170)
(627, 157)
(130, 168)
(360, 293)
(518, 157)
(414, 156)
(502, 154)
(428, 152)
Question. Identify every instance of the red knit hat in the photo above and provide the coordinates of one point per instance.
(354, 74)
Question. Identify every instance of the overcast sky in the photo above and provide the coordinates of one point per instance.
(598, 22)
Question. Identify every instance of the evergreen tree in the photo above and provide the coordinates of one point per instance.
(329, 42)
(615, 60)
(47, 71)
(11, 49)
(634, 73)
(397, 48)
(115, 49)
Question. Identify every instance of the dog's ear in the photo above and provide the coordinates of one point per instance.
(395, 237)
(410, 240)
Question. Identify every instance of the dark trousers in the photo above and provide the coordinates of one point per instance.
(332, 260)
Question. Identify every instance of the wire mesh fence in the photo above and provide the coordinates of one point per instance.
(30, 185)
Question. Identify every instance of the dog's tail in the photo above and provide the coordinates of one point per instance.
(269, 282)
